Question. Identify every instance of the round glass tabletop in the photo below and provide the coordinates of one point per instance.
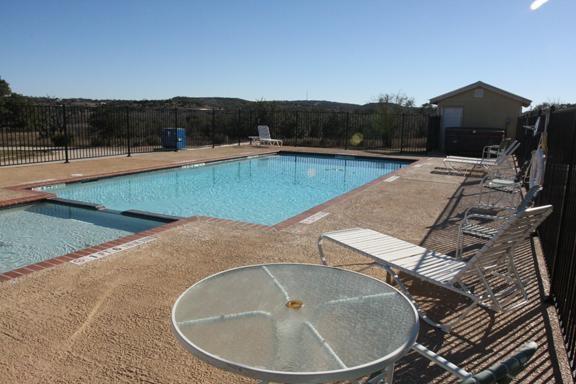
(295, 323)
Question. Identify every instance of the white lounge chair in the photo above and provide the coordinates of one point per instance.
(459, 163)
(486, 226)
(493, 260)
(499, 191)
(490, 151)
(264, 136)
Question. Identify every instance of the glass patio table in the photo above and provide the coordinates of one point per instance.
(296, 323)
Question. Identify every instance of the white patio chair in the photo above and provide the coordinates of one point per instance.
(499, 191)
(264, 136)
(459, 163)
(500, 373)
(486, 226)
(493, 260)
(490, 151)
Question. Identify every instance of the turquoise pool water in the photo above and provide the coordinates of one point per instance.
(263, 190)
(37, 232)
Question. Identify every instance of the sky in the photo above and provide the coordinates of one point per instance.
(347, 51)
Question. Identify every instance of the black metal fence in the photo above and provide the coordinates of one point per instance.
(558, 232)
(33, 133)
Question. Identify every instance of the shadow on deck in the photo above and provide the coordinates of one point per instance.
(483, 337)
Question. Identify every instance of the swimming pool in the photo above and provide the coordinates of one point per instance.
(36, 232)
(263, 190)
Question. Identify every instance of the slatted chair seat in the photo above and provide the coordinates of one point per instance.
(402, 255)
(478, 230)
(494, 260)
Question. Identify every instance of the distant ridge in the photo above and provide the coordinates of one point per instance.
(218, 103)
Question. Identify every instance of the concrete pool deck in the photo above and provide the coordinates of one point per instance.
(109, 320)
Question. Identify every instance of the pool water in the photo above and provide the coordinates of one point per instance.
(33, 233)
(264, 190)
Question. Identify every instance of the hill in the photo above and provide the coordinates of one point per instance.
(216, 103)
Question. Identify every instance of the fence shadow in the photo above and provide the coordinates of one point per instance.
(484, 337)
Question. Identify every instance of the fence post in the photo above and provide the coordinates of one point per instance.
(128, 133)
(176, 126)
(402, 133)
(66, 137)
(297, 130)
(347, 128)
(238, 125)
(213, 126)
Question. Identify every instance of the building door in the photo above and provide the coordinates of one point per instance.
(451, 117)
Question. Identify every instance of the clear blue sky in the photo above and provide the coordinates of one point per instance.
(349, 51)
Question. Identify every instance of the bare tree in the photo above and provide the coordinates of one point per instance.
(397, 99)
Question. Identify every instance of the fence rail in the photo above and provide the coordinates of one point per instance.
(36, 133)
(558, 232)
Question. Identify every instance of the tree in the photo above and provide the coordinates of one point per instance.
(555, 103)
(388, 105)
(395, 100)
(4, 88)
(11, 107)
(428, 109)
(5, 92)
(265, 111)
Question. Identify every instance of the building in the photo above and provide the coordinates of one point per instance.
(480, 107)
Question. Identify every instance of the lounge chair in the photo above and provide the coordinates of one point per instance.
(490, 151)
(459, 163)
(486, 226)
(494, 259)
(264, 136)
(506, 188)
(506, 181)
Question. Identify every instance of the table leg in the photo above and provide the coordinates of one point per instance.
(384, 377)
(390, 374)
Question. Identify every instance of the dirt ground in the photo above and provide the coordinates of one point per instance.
(108, 321)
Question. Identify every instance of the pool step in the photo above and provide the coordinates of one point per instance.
(151, 216)
(78, 204)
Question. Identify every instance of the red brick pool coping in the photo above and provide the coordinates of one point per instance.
(35, 196)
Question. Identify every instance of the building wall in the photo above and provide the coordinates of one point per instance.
(490, 111)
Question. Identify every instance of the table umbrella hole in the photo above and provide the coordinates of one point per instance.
(294, 304)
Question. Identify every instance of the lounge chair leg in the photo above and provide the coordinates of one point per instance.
(443, 327)
(322, 256)
(517, 278)
(460, 243)
(495, 304)
(464, 312)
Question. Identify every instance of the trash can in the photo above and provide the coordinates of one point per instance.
(173, 138)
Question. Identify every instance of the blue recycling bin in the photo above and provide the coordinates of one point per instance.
(173, 138)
